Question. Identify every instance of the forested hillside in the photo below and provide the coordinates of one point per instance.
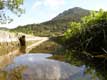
(56, 26)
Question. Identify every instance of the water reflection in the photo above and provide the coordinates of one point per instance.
(93, 69)
(37, 67)
(31, 57)
(84, 75)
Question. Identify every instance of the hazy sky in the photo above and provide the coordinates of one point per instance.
(42, 10)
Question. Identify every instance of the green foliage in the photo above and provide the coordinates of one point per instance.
(73, 30)
(12, 5)
(1, 4)
(90, 34)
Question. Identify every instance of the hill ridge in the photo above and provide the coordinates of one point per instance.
(57, 25)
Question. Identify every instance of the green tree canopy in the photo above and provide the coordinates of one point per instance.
(12, 5)
(90, 34)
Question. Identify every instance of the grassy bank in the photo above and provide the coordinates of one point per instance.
(52, 47)
(6, 47)
(46, 47)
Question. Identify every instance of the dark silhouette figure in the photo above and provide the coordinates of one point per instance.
(22, 42)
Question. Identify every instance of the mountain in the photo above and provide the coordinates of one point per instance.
(73, 14)
(3, 28)
(57, 25)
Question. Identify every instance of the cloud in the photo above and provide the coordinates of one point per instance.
(36, 5)
(54, 3)
(48, 3)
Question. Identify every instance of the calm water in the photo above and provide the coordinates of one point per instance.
(39, 67)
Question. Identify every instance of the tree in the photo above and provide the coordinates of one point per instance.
(90, 35)
(12, 5)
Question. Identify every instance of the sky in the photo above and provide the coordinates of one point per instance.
(37, 11)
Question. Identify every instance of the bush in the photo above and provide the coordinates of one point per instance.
(90, 34)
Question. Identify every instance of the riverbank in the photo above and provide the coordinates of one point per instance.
(7, 58)
(51, 47)
(91, 69)
(91, 65)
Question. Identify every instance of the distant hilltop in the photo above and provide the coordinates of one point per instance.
(57, 25)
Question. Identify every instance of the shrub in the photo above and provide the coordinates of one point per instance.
(90, 34)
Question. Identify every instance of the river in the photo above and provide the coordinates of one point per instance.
(38, 67)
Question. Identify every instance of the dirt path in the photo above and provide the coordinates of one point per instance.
(36, 44)
(6, 59)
